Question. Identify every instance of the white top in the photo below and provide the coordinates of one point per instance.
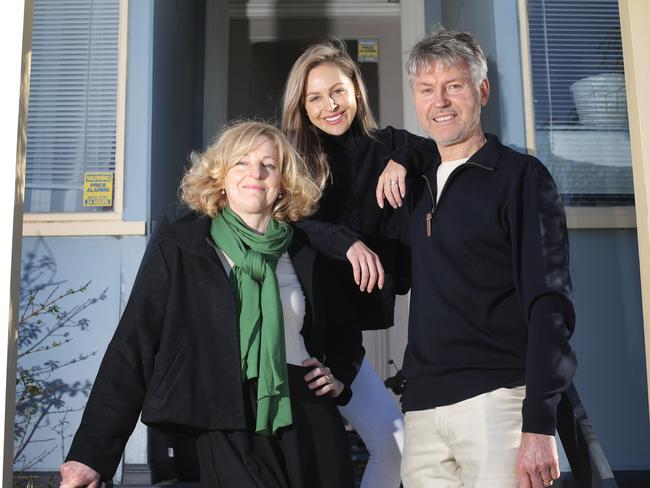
(293, 306)
(444, 170)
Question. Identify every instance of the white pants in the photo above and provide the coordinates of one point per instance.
(473, 443)
(376, 418)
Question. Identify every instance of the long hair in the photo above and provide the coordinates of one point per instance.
(202, 185)
(295, 123)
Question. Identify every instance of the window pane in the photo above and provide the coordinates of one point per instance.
(71, 125)
(580, 104)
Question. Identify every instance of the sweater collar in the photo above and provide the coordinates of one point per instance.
(487, 156)
(489, 153)
(348, 139)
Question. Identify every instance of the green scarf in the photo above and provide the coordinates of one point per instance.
(261, 322)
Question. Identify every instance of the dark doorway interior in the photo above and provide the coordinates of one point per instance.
(261, 71)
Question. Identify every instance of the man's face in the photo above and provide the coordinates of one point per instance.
(448, 103)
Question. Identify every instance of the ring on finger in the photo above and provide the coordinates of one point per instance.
(393, 182)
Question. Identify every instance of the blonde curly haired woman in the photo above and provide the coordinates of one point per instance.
(222, 335)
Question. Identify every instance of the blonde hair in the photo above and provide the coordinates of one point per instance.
(296, 124)
(202, 185)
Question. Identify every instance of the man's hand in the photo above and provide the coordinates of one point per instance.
(366, 267)
(537, 462)
(391, 185)
(77, 475)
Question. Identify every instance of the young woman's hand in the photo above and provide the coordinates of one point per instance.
(392, 185)
(75, 474)
(321, 380)
(366, 267)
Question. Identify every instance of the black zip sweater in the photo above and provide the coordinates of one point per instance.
(491, 299)
(348, 211)
(356, 162)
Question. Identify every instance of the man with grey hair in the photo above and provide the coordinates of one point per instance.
(491, 310)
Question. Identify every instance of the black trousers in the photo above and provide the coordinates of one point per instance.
(312, 453)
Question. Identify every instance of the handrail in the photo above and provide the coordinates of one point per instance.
(585, 454)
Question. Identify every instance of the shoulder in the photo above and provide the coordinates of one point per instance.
(187, 228)
(525, 165)
(392, 134)
(531, 179)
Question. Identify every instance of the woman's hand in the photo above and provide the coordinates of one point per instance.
(321, 380)
(392, 185)
(366, 267)
(76, 475)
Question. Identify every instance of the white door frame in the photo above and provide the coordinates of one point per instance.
(15, 38)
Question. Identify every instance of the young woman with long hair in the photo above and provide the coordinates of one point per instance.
(326, 115)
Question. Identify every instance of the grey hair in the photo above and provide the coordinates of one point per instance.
(448, 47)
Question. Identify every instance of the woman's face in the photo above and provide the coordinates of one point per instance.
(253, 182)
(330, 99)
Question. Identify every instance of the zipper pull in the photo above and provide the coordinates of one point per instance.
(428, 218)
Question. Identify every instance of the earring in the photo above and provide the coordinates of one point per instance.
(280, 196)
(223, 191)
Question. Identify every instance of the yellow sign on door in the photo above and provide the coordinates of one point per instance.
(98, 190)
(367, 51)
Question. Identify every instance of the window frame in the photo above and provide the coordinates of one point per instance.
(97, 223)
(602, 217)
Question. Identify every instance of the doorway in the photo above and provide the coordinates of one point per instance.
(263, 45)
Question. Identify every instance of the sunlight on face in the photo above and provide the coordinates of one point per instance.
(253, 182)
(448, 103)
(330, 99)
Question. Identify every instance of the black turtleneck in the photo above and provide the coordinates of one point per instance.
(356, 160)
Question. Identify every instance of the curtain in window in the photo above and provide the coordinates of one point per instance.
(71, 127)
(579, 98)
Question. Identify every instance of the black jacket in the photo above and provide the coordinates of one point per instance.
(175, 354)
(356, 161)
(491, 299)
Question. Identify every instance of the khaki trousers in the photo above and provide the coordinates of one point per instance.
(473, 443)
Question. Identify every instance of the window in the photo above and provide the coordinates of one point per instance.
(579, 100)
(72, 127)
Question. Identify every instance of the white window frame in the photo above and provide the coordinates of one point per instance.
(577, 217)
(97, 223)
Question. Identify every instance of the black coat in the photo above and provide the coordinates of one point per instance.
(348, 212)
(175, 355)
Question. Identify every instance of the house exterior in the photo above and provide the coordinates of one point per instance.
(160, 77)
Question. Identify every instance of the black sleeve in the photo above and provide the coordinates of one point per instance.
(344, 354)
(116, 399)
(332, 240)
(413, 152)
(541, 263)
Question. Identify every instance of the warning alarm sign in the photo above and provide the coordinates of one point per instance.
(98, 189)
(367, 51)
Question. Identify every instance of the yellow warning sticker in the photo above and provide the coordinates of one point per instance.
(367, 50)
(98, 190)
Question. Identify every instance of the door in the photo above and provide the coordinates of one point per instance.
(263, 48)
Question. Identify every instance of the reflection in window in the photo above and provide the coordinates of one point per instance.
(579, 98)
(71, 128)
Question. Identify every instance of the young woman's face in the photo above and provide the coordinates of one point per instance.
(330, 99)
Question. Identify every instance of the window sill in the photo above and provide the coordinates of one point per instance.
(115, 228)
(601, 217)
